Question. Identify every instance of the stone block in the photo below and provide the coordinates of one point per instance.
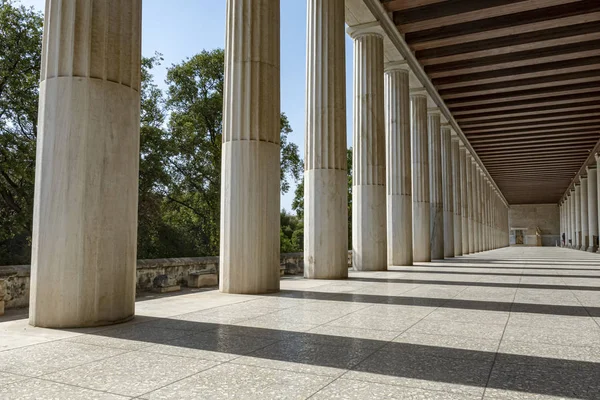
(200, 279)
(167, 289)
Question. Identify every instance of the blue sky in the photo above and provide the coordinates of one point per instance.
(181, 28)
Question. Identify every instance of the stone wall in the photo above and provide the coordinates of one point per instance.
(152, 275)
(530, 216)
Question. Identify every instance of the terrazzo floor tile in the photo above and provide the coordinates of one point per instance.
(36, 389)
(450, 346)
(51, 357)
(234, 381)
(130, 338)
(360, 390)
(212, 345)
(406, 367)
(458, 328)
(308, 358)
(6, 378)
(132, 374)
(363, 321)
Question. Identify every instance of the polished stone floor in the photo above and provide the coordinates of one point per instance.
(514, 323)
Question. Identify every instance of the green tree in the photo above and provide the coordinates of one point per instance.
(20, 55)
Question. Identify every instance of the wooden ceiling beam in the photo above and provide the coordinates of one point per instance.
(532, 111)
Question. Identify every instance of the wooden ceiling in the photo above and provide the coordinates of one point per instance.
(522, 79)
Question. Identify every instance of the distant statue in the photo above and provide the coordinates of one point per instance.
(538, 231)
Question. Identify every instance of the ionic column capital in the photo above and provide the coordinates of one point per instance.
(370, 28)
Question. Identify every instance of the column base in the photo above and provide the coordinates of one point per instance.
(369, 235)
(592, 249)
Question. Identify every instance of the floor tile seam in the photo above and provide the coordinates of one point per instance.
(400, 334)
(144, 346)
(238, 363)
(581, 304)
(36, 344)
(405, 385)
(181, 379)
(500, 342)
(81, 365)
(84, 387)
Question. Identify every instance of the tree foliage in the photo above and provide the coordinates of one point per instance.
(20, 55)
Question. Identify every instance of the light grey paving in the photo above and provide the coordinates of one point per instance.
(515, 323)
(232, 381)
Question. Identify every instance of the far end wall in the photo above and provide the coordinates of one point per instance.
(529, 216)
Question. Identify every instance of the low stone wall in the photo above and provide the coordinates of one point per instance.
(159, 275)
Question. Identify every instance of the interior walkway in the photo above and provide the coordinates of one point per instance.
(514, 323)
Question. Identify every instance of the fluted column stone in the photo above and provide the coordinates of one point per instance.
(456, 196)
(325, 164)
(398, 167)
(464, 199)
(583, 200)
(577, 215)
(572, 218)
(369, 242)
(592, 207)
(470, 205)
(86, 182)
(420, 176)
(249, 256)
(447, 191)
(436, 202)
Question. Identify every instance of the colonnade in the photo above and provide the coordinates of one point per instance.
(431, 202)
(579, 211)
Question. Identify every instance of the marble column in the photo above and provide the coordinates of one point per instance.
(577, 200)
(476, 208)
(398, 172)
(369, 242)
(572, 218)
(583, 207)
(470, 197)
(447, 191)
(592, 200)
(420, 176)
(249, 256)
(86, 182)
(597, 156)
(464, 199)
(435, 184)
(325, 163)
(456, 195)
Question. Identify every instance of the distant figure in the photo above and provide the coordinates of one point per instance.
(563, 240)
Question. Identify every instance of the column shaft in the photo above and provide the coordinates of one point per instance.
(86, 181)
(249, 256)
(398, 172)
(464, 200)
(456, 189)
(592, 200)
(583, 199)
(369, 242)
(470, 198)
(325, 175)
(435, 185)
(420, 178)
(572, 218)
(577, 215)
(448, 183)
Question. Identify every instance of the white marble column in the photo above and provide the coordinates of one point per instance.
(86, 181)
(398, 168)
(597, 156)
(464, 199)
(369, 242)
(583, 200)
(572, 218)
(476, 208)
(592, 205)
(577, 199)
(447, 191)
(470, 198)
(420, 176)
(456, 195)
(325, 164)
(249, 256)
(436, 204)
